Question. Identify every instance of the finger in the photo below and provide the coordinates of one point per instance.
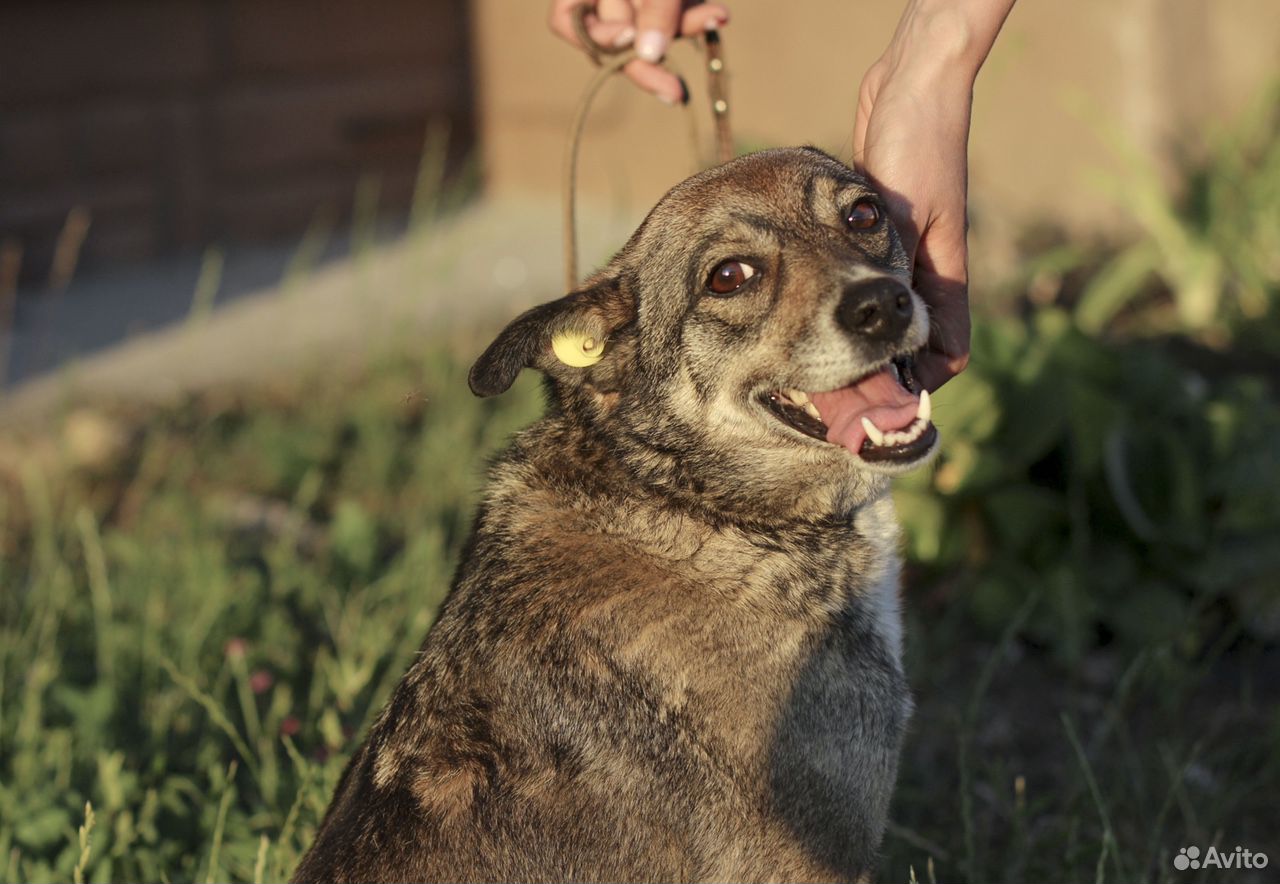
(560, 20)
(933, 370)
(943, 250)
(657, 22)
(611, 34)
(608, 27)
(703, 17)
(947, 294)
(947, 352)
(657, 81)
(868, 89)
(860, 121)
(859, 137)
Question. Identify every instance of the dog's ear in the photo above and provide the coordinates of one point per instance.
(561, 337)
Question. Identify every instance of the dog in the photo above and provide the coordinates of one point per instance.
(672, 649)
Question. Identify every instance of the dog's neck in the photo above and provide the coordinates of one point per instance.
(811, 565)
(617, 464)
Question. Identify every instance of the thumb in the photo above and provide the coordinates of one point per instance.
(860, 136)
(943, 250)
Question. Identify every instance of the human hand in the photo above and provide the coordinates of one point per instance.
(911, 137)
(651, 25)
(913, 144)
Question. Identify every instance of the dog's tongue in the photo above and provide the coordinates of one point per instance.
(888, 404)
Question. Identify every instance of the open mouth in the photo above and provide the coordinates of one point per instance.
(883, 417)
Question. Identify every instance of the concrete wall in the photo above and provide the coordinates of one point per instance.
(1062, 72)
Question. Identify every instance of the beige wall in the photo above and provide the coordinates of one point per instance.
(1062, 71)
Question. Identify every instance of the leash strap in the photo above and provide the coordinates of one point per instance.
(610, 61)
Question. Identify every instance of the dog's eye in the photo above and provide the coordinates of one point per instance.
(864, 215)
(728, 277)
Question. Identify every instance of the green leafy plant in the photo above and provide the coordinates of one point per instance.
(1138, 493)
(1209, 246)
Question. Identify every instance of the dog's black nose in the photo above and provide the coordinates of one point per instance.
(875, 308)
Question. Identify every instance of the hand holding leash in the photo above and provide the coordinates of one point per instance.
(648, 26)
(612, 59)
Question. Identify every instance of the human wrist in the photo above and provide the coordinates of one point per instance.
(944, 42)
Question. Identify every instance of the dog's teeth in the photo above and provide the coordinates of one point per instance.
(873, 432)
(799, 397)
(925, 409)
(812, 410)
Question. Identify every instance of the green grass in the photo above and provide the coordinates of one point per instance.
(194, 632)
(201, 614)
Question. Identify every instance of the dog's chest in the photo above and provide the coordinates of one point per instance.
(797, 640)
(819, 703)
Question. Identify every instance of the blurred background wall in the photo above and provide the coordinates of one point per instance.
(180, 123)
(171, 124)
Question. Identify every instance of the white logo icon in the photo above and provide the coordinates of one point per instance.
(1187, 858)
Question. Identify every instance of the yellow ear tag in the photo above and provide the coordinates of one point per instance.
(577, 349)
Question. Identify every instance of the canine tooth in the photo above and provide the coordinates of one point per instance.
(925, 411)
(812, 410)
(799, 397)
(873, 432)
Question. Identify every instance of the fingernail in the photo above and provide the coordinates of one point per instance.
(714, 24)
(666, 99)
(651, 46)
(624, 38)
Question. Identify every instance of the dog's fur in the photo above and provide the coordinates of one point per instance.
(672, 648)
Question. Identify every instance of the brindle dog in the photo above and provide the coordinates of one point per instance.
(672, 648)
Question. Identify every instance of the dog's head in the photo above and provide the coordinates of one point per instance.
(755, 332)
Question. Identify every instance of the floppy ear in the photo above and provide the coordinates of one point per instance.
(566, 335)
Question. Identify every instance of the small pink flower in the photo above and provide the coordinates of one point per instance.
(290, 726)
(260, 681)
(235, 648)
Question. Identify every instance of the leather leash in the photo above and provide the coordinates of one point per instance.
(610, 61)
